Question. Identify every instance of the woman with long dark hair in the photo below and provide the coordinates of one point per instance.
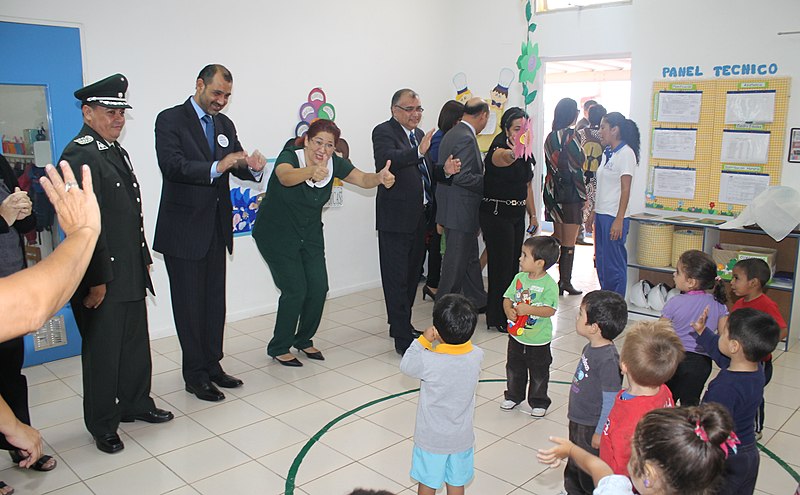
(449, 116)
(507, 197)
(564, 187)
(620, 136)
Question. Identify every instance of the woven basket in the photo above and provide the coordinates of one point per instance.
(684, 240)
(655, 244)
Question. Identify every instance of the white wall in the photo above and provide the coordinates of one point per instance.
(360, 51)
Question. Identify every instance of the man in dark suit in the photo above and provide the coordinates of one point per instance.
(197, 149)
(458, 200)
(402, 211)
(109, 303)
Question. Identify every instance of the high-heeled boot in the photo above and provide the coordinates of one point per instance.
(565, 263)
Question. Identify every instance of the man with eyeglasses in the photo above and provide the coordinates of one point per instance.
(198, 149)
(402, 212)
(458, 200)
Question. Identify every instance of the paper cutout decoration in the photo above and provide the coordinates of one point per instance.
(315, 108)
(497, 102)
(523, 147)
(528, 62)
(462, 91)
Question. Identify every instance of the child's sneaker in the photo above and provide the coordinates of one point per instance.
(508, 405)
(759, 435)
(538, 412)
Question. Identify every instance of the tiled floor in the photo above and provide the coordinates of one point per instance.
(247, 443)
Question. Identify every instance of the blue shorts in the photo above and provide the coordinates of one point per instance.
(434, 469)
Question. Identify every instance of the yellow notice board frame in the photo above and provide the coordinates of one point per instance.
(707, 160)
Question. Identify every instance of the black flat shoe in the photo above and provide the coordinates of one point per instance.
(226, 381)
(109, 443)
(155, 416)
(427, 291)
(313, 355)
(294, 362)
(205, 391)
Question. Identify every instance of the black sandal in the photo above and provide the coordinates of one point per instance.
(3, 485)
(39, 465)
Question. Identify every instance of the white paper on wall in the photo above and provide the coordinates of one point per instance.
(670, 182)
(674, 144)
(679, 106)
(741, 187)
(749, 106)
(744, 146)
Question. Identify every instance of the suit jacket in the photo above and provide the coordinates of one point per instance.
(459, 198)
(192, 204)
(121, 257)
(398, 209)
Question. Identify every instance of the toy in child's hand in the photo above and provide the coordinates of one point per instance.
(516, 328)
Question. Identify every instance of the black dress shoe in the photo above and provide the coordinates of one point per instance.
(155, 416)
(415, 333)
(109, 443)
(205, 391)
(227, 381)
(400, 346)
(314, 355)
(294, 362)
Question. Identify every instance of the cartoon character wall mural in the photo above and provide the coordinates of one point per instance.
(497, 103)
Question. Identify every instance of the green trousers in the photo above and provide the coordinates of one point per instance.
(302, 278)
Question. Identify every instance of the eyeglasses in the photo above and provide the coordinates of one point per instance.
(411, 109)
(319, 143)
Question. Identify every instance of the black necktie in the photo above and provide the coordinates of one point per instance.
(209, 132)
(423, 170)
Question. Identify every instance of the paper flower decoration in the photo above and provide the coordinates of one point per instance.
(523, 148)
(528, 62)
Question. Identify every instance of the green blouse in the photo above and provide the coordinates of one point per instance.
(290, 217)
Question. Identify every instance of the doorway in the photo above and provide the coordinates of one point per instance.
(605, 80)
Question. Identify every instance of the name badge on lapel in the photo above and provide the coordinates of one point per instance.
(222, 140)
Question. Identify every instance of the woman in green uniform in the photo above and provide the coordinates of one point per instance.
(288, 233)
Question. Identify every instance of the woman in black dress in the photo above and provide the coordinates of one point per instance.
(508, 196)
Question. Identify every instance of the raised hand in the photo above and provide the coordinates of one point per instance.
(76, 207)
(256, 161)
(700, 324)
(452, 165)
(425, 144)
(319, 173)
(385, 176)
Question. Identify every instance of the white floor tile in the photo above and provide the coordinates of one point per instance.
(264, 437)
(248, 479)
(148, 476)
(312, 418)
(343, 481)
(29, 481)
(162, 438)
(88, 462)
(229, 415)
(201, 460)
(318, 461)
(371, 438)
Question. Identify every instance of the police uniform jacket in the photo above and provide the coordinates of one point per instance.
(121, 257)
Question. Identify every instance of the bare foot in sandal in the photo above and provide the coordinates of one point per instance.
(5, 489)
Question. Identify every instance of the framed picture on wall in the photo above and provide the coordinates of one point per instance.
(794, 145)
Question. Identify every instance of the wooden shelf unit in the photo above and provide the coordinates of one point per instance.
(784, 294)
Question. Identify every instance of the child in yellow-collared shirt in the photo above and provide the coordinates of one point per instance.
(443, 435)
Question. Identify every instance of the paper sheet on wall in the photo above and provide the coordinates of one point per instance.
(679, 106)
(674, 144)
(744, 146)
(672, 182)
(740, 188)
(749, 106)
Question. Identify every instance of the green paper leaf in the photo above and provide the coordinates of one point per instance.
(532, 27)
(530, 97)
(528, 11)
(524, 90)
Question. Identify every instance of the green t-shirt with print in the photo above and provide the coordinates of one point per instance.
(540, 292)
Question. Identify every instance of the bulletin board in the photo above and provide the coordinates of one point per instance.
(737, 134)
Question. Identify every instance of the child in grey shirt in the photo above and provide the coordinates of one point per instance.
(448, 371)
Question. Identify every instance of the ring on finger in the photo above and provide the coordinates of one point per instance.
(69, 185)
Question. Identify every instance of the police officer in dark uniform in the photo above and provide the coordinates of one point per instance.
(109, 304)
